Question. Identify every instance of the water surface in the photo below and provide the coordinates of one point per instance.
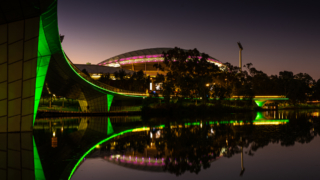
(268, 145)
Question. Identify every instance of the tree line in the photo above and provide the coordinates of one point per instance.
(188, 74)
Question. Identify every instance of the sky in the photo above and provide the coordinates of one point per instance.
(270, 162)
(276, 35)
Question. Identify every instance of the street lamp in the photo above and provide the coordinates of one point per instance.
(240, 56)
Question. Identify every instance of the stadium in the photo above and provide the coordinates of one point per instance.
(143, 60)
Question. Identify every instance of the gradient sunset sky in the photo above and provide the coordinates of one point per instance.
(276, 35)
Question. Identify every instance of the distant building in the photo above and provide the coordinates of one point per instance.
(96, 71)
(143, 60)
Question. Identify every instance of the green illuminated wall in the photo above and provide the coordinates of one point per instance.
(259, 116)
(110, 128)
(21, 71)
(24, 60)
(43, 60)
(38, 171)
(260, 103)
(110, 98)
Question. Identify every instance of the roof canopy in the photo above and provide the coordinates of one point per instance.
(142, 52)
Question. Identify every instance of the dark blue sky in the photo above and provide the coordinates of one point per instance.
(276, 36)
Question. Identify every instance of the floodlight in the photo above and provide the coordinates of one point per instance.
(240, 46)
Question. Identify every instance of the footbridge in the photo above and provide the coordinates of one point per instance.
(32, 58)
(262, 100)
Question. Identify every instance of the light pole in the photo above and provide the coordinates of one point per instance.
(240, 55)
(242, 166)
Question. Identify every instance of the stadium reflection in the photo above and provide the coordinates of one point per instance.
(60, 146)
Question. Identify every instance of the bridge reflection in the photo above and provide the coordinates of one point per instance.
(118, 139)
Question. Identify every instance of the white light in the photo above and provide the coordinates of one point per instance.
(158, 134)
(212, 131)
(96, 76)
(150, 134)
(150, 86)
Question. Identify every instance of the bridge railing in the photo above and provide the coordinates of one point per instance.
(105, 86)
(124, 108)
(263, 96)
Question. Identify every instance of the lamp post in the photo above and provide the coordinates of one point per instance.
(240, 55)
(242, 166)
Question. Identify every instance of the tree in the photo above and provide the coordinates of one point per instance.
(188, 73)
(316, 91)
(85, 72)
(105, 78)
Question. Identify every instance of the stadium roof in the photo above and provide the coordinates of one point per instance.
(142, 52)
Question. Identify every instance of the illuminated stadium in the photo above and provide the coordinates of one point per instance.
(143, 60)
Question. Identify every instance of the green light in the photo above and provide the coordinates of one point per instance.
(110, 129)
(272, 121)
(38, 171)
(103, 141)
(194, 124)
(52, 32)
(109, 98)
(259, 116)
(48, 28)
(162, 126)
(260, 103)
(43, 60)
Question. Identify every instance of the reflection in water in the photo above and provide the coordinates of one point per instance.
(192, 146)
(38, 171)
(16, 156)
(58, 147)
(185, 147)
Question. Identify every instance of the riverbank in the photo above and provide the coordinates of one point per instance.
(177, 110)
(299, 106)
(56, 113)
(166, 110)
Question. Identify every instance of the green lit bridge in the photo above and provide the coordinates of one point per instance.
(31, 54)
(261, 100)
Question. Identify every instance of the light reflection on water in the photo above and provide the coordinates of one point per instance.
(272, 162)
(179, 147)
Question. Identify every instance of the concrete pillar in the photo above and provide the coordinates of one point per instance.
(91, 103)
